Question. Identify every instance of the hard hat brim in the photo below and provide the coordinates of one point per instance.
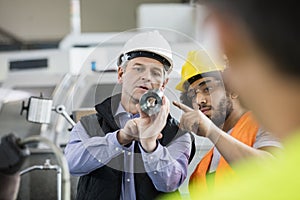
(148, 54)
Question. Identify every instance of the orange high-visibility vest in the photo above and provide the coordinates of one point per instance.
(245, 131)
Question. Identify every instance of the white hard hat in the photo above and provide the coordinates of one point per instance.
(148, 44)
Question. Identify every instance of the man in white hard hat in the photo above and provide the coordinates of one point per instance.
(121, 152)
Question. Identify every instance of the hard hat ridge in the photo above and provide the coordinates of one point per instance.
(198, 62)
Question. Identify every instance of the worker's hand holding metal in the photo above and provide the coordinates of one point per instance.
(128, 133)
(194, 121)
(150, 127)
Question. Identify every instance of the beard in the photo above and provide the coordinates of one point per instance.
(222, 111)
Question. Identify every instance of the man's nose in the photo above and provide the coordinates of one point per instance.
(146, 75)
(200, 99)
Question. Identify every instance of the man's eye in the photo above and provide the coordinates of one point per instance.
(208, 89)
(156, 73)
(138, 69)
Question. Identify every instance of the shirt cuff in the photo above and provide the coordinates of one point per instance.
(114, 140)
(112, 137)
(153, 156)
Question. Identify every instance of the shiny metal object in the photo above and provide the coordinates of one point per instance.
(39, 110)
(151, 101)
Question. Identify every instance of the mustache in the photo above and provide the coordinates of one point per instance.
(205, 107)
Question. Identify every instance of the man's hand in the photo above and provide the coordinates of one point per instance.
(194, 121)
(150, 127)
(128, 133)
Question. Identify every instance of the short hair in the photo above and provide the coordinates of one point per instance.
(274, 26)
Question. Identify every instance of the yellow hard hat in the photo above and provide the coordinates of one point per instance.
(197, 62)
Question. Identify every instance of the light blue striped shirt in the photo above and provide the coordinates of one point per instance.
(166, 166)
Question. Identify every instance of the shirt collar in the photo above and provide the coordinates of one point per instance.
(122, 110)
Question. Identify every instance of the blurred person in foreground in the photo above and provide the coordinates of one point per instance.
(261, 41)
(211, 109)
(121, 152)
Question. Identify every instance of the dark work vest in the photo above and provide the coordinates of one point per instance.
(106, 182)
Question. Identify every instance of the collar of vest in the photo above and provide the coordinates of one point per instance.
(107, 108)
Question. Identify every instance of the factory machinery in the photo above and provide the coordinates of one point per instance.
(44, 91)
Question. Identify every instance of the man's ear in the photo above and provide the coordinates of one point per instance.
(165, 83)
(234, 95)
(120, 74)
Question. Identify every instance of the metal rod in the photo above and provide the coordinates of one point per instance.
(29, 169)
(66, 188)
(47, 166)
(60, 109)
